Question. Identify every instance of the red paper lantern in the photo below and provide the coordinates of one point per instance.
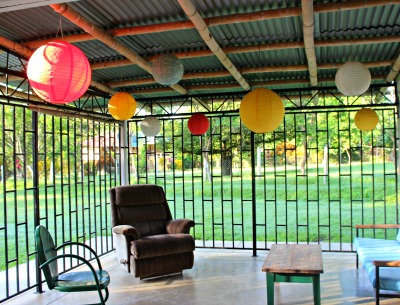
(198, 124)
(59, 72)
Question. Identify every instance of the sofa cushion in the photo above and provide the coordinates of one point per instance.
(163, 244)
(373, 249)
(389, 277)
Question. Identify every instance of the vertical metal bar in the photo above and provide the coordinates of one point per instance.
(396, 145)
(253, 193)
(124, 153)
(36, 200)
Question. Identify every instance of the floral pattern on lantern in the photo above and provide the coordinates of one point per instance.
(122, 106)
(353, 78)
(59, 72)
(198, 124)
(167, 69)
(150, 126)
(366, 119)
(261, 110)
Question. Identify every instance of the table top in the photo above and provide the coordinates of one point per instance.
(294, 259)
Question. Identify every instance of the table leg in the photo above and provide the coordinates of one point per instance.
(316, 289)
(270, 288)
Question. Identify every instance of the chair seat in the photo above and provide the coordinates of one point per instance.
(81, 281)
(163, 244)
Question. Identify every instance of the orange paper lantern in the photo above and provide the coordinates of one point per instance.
(366, 119)
(122, 106)
(59, 72)
(261, 110)
(198, 124)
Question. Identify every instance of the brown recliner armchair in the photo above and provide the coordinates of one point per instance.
(147, 241)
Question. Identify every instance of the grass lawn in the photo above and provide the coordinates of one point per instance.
(289, 206)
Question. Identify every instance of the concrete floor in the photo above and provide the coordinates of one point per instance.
(222, 277)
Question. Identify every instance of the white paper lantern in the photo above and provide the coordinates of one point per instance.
(150, 126)
(167, 69)
(353, 78)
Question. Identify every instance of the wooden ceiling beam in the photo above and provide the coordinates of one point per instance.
(266, 69)
(216, 87)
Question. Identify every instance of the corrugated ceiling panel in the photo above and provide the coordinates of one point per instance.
(267, 31)
(211, 8)
(165, 42)
(269, 58)
(374, 21)
(41, 22)
(106, 13)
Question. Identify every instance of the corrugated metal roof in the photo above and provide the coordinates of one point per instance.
(274, 42)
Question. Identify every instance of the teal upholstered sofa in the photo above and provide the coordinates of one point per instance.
(380, 259)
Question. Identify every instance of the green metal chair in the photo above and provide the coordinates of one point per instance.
(72, 281)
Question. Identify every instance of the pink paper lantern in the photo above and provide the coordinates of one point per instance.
(59, 72)
(198, 124)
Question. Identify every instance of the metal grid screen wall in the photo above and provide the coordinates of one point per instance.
(314, 178)
(76, 165)
(310, 181)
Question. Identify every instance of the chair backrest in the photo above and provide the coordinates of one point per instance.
(46, 250)
(143, 206)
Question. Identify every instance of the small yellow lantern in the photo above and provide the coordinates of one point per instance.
(261, 110)
(366, 119)
(122, 106)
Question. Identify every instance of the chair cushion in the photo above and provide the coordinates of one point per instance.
(150, 212)
(129, 195)
(158, 245)
(147, 228)
(81, 281)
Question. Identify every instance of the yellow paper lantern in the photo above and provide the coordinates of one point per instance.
(261, 110)
(122, 106)
(366, 119)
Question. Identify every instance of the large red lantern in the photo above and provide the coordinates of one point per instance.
(59, 72)
(198, 124)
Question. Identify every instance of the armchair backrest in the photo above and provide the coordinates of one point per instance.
(46, 250)
(143, 206)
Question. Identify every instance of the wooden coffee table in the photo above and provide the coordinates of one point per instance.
(294, 263)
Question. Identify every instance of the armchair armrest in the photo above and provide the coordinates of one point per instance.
(179, 226)
(127, 230)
